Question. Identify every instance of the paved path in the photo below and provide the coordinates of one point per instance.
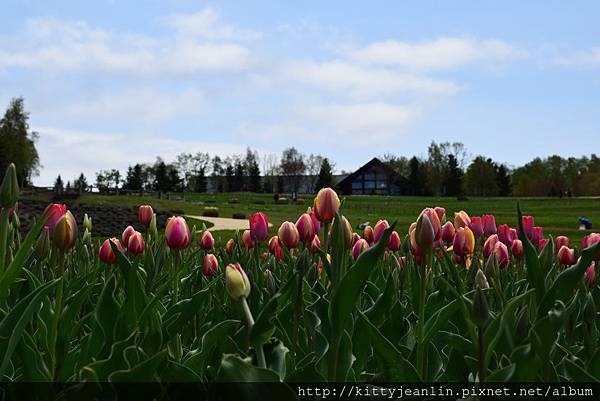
(223, 223)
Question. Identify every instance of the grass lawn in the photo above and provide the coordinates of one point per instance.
(557, 216)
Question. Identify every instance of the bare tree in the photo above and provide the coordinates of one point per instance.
(313, 166)
(292, 167)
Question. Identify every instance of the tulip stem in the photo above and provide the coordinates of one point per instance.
(481, 356)
(3, 237)
(57, 313)
(325, 236)
(260, 355)
(421, 323)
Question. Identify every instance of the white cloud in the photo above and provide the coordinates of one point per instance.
(70, 152)
(590, 58)
(54, 44)
(207, 24)
(362, 81)
(442, 53)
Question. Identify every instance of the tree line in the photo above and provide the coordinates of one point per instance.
(447, 170)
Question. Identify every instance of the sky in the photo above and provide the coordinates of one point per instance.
(110, 83)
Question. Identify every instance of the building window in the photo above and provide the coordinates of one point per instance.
(356, 184)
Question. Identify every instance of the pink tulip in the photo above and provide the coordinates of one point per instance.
(247, 239)
(448, 232)
(145, 214)
(359, 247)
(207, 242)
(501, 254)
(259, 226)
(355, 237)
(177, 233)
(542, 243)
(538, 235)
(560, 241)
(394, 243)
(461, 219)
(211, 265)
(490, 245)
(326, 204)
(590, 276)
(380, 227)
(489, 224)
(315, 222)
(441, 212)
(315, 244)
(305, 228)
(590, 240)
(477, 226)
(136, 243)
(528, 227)
(126, 234)
(288, 235)
(506, 235)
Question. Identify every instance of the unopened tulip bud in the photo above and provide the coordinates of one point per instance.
(476, 226)
(481, 280)
(380, 227)
(65, 232)
(359, 247)
(489, 245)
(9, 190)
(481, 311)
(55, 211)
(247, 239)
(566, 256)
(42, 245)
(229, 246)
(145, 214)
(589, 309)
(441, 213)
(506, 235)
(136, 244)
(516, 249)
(305, 229)
(152, 228)
(347, 231)
(177, 233)
(288, 235)
(394, 243)
(448, 232)
(501, 254)
(326, 204)
(236, 281)
(269, 280)
(86, 238)
(211, 265)
(528, 227)
(87, 223)
(259, 226)
(489, 224)
(461, 219)
(315, 244)
(207, 241)
(106, 253)
(356, 237)
(126, 234)
(560, 241)
(424, 232)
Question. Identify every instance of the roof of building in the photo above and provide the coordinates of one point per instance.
(374, 162)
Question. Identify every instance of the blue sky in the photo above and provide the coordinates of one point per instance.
(109, 83)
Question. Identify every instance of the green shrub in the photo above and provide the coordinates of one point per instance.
(211, 211)
(239, 216)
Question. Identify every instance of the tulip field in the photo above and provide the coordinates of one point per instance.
(452, 297)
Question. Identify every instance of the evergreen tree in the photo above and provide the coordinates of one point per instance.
(325, 178)
(229, 178)
(17, 143)
(200, 181)
(58, 185)
(416, 177)
(135, 178)
(480, 178)
(161, 177)
(452, 177)
(238, 178)
(80, 184)
(503, 180)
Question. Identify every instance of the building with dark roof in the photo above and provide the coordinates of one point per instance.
(374, 178)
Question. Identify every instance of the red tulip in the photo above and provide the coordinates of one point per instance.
(207, 242)
(506, 234)
(359, 247)
(528, 226)
(305, 228)
(259, 226)
(288, 235)
(542, 243)
(368, 235)
(394, 244)
(380, 227)
(566, 256)
(106, 253)
(57, 210)
(326, 204)
(145, 214)
(489, 224)
(516, 249)
(177, 233)
(476, 226)
(211, 265)
(136, 243)
(560, 241)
